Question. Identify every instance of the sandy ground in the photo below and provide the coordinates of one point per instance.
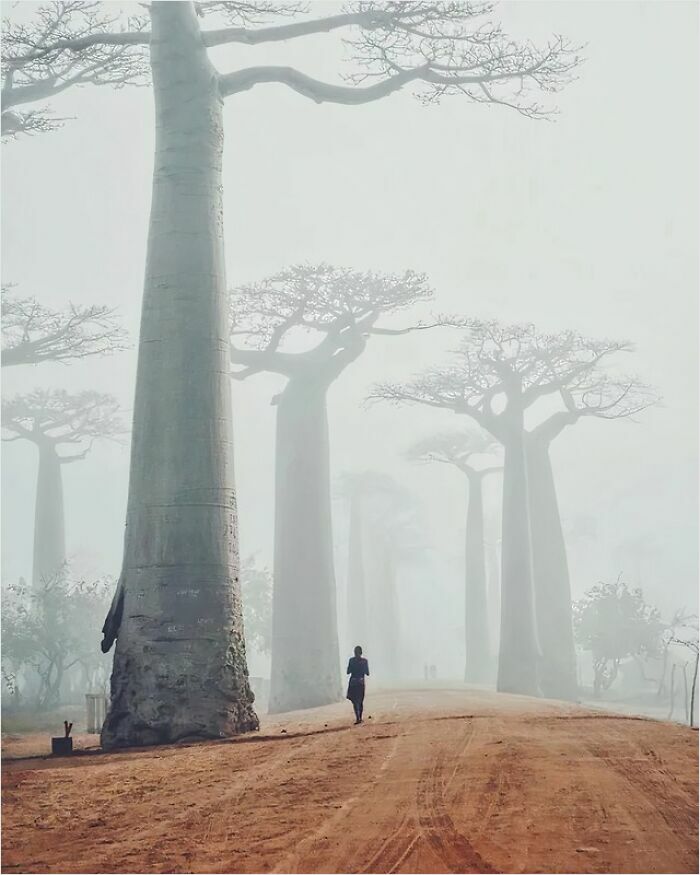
(435, 781)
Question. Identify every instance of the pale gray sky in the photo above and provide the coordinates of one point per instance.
(588, 223)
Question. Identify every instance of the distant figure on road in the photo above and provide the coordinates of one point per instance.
(358, 667)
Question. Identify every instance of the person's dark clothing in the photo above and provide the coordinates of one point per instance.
(358, 667)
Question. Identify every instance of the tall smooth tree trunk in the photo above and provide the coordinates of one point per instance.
(518, 651)
(494, 596)
(356, 595)
(180, 665)
(385, 641)
(305, 658)
(49, 525)
(551, 576)
(477, 658)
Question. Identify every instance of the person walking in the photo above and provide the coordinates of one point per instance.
(358, 669)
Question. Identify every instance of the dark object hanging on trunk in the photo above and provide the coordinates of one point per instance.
(62, 745)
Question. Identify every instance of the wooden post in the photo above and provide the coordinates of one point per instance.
(673, 677)
(693, 688)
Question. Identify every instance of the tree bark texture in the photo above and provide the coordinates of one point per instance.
(180, 664)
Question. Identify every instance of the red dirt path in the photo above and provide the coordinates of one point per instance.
(436, 781)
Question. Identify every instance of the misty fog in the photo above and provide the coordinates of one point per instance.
(587, 222)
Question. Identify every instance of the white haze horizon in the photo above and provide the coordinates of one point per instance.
(589, 223)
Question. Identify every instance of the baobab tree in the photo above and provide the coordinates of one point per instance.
(396, 539)
(177, 605)
(341, 309)
(33, 333)
(499, 373)
(53, 420)
(592, 393)
(355, 488)
(383, 533)
(457, 448)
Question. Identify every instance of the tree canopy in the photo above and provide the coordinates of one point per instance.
(502, 369)
(33, 333)
(337, 307)
(57, 417)
(439, 49)
(614, 622)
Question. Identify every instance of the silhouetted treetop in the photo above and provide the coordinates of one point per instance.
(58, 417)
(33, 333)
(320, 298)
(500, 370)
(341, 305)
(455, 448)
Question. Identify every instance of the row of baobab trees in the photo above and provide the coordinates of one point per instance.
(179, 667)
(495, 379)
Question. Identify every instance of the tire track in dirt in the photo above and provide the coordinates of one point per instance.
(427, 815)
(453, 848)
(395, 848)
(668, 802)
(314, 846)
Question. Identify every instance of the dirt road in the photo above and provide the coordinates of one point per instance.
(436, 781)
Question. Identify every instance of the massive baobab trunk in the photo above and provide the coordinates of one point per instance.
(49, 527)
(180, 665)
(356, 595)
(305, 657)
(551, 577)
(518, 651)
(477, 659)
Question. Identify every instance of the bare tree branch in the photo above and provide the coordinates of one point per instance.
(314, 89)
(33, 333)
(441, 48)
(277, 33)
(609, 396)
(67, 43)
